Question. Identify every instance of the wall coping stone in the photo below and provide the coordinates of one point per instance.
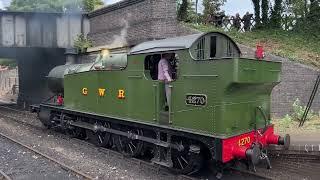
(113, 7)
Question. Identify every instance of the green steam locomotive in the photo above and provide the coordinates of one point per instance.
(219, 110)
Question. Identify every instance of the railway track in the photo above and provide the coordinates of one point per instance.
(251, 173)
(62, 165)
(4, 176)
(143, 164)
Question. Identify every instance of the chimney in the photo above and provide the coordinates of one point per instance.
(71, 56)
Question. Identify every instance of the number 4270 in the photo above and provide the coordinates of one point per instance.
(244, 141)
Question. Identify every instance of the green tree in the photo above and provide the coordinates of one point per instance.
(186, 11)
(54, 5)
(90, 5)
(313, 17)
(276, 11)
(314, 11)
(306, 15)
(264, 11)
(256, 6)
(212, 7)
(192, 14)
(183, 10)
(296, 8)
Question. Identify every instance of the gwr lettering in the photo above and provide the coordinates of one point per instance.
(101, 92)
(85, 91)
(121, 94)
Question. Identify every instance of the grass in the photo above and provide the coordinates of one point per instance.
(289, 126)
(8, 62)
(295, 46)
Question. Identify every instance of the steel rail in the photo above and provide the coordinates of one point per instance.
(13, 109)
(159, 169)
(62, 165)
(21, 122)
(251, 173)
(4, 176)
(141, 163)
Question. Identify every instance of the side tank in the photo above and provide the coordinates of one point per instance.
(104, 61)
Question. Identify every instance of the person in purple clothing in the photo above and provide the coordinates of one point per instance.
(165, 74)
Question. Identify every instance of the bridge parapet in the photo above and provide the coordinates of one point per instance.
(37, 29)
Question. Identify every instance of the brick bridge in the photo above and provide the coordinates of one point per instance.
(37, 41)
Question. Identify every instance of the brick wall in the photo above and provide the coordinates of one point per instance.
(146, 20)
(297, 81)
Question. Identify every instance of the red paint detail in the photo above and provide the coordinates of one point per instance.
(60, 100)
(240, 152)
(259, 52)
(268, 137)
(232, 150)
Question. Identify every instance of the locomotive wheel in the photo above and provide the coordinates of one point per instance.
(76, 132)
(127, 146)
(186, 162)
(100, 139)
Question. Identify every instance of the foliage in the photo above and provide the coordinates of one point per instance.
(256, 6)
(267, 20)
(187, 11)
(183, 10)
(276, 11)
(8, 62)
(54, 5)
(313, 17)
(288, 126)
(297, 114)
(306, 13)
(90, 5)
(298, 111)
(264, 12)
(212, 7)
(82, 43)
(291, 122)
(286, 121)
(295, 8)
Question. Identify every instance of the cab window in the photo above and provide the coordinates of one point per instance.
(213, 46)
(151, 66)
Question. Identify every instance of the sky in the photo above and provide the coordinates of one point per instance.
(4, 3)
(231, 7)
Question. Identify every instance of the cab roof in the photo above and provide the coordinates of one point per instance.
(173, 44)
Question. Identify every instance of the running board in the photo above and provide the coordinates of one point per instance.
(133, 136)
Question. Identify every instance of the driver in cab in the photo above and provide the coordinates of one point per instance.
(165, 73)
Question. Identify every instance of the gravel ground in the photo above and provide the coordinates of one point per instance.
(20, 163)
(84, 156)
(81, 156)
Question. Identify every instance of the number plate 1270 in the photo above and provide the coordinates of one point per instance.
(196, 99)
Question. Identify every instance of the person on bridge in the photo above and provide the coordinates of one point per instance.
(247, 21)
(237, 22)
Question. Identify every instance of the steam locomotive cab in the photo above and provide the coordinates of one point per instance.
(219, 109)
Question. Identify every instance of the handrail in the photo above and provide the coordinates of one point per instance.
(313, 93)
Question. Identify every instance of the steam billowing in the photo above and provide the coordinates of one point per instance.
(121, 40)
